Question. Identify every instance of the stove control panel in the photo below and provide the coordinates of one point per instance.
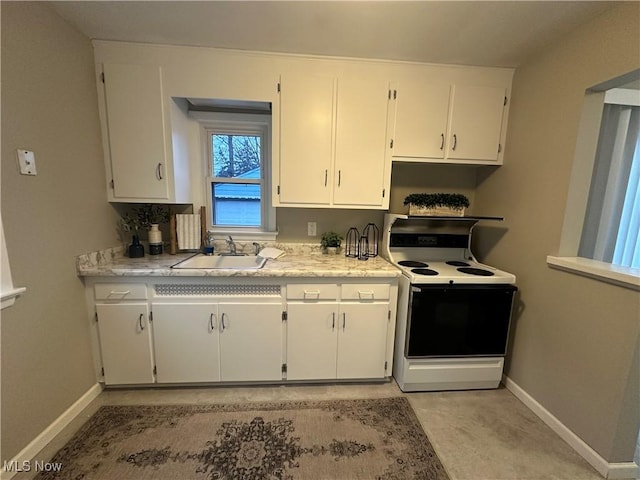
(428, 240)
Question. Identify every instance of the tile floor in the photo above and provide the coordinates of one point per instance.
(478, 435)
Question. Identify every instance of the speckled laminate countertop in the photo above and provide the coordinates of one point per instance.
(295, 263)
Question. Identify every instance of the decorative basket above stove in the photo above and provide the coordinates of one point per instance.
(437, 204)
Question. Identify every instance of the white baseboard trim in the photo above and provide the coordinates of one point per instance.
(25, 456)
(619, 471)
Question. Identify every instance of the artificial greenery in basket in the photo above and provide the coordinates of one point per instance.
(436, 203)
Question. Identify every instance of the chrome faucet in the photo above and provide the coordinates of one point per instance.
(232, 246)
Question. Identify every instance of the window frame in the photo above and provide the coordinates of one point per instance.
(239, 124)
(567, 258)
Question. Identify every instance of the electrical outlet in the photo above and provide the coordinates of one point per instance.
(311, 229)
(27, 162)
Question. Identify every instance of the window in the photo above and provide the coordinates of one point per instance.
(236, 177)
(601, 229)
(612, 221)
(237, 180)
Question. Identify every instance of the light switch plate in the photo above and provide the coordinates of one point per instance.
(27, 162)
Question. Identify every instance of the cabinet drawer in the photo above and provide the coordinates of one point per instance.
(315, 291)
(120, 291)
(365, 291)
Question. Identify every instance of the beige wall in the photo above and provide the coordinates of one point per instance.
(575, 340)
(49, 105)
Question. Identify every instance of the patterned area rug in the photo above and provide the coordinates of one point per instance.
(317, 440)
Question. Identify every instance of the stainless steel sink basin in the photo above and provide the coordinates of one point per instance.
(231, 262)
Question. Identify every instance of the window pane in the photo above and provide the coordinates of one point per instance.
(235, 156)
(236, 204)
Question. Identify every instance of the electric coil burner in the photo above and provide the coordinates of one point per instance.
(411, 263)
(454, 313)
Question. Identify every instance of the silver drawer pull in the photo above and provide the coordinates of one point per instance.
(122, 293)
(364, 294)
(312, 294)
(140, 322)
(212, 324)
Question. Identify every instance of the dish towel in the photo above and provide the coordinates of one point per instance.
(188, 231)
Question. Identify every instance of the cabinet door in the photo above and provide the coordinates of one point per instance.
(306, 139)
(476, 122)
(362, 340)
(312, 330)
(250, 342)
(185, 337)
(134, 111)
(125, 343)
(361, 131)
(421, 120)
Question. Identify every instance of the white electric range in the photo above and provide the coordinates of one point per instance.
(454, 312)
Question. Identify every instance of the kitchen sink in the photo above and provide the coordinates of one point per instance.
(231, 262)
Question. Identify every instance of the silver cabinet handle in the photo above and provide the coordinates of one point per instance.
(119, 292)
(441, 141)
(159, 171)
(222, 322)
(326, 173)
(344, 320)
(212, 325)
(339, 177)
(455, 141)
(333, 324)
(140, 322)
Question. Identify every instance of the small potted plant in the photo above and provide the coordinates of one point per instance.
(330, 242)
(437, 204)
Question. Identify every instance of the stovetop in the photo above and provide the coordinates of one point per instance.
(452, 272)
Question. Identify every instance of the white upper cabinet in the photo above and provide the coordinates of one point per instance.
(332, 142)
(306, 139)
(421, 120)
(137, 142)
(361, 170)
(448, 123)
(476, 123)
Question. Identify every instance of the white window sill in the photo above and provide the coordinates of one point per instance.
(8, 297)
(602, 271)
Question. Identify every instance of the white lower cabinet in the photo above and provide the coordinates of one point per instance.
(320, 331)
(312, 346)
(250, 342)
(337, 340)
(210, 342)
(185, 338)
(362, 339)
(125, 342)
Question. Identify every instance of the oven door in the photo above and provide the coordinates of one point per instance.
(459, 320)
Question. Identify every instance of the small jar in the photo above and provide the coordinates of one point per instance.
(155, 240)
